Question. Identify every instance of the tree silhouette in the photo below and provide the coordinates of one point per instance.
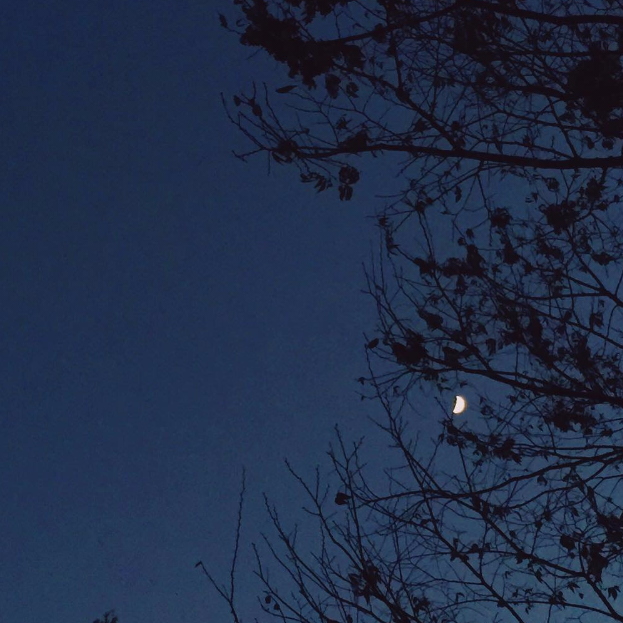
(500, 270)
(460, 89)
(109, 617)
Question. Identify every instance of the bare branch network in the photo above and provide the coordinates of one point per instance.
(499, 271)
(490, 86)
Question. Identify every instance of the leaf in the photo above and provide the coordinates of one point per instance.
(346, 192)
(567, 542)
(357, 142)
(602, 258)
(332, 84)
(286, 89)
(426, 267)
(349, 175)
(433, 321)
(341, 499)
(500, 218)
(373, 343)
(352, 89)
(237, 100)
(342, 123)
(222, 19)
(403, 95)
(596, 319)
(509, 255)
(552, 184)
(412, 353)
(474, 259)
(451, 356)
(256, 110)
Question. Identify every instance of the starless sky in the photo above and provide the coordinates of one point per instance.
(168, 313)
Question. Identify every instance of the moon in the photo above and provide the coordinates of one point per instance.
(460, 404)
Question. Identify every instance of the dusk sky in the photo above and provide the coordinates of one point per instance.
(169, 314)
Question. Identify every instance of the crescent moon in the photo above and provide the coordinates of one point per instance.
(460, 404)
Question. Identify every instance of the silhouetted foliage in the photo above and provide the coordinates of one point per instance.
(500, 271)
(341, 498)
(457, 88)
(109, 617)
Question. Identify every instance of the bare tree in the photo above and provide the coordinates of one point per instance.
(109, 617)
(459, 89)
(514, 515)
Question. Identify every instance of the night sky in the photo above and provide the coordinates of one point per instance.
(169, 314)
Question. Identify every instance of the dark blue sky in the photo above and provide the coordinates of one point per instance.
(168, 313)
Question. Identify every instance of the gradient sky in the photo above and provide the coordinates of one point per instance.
(168, 313)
